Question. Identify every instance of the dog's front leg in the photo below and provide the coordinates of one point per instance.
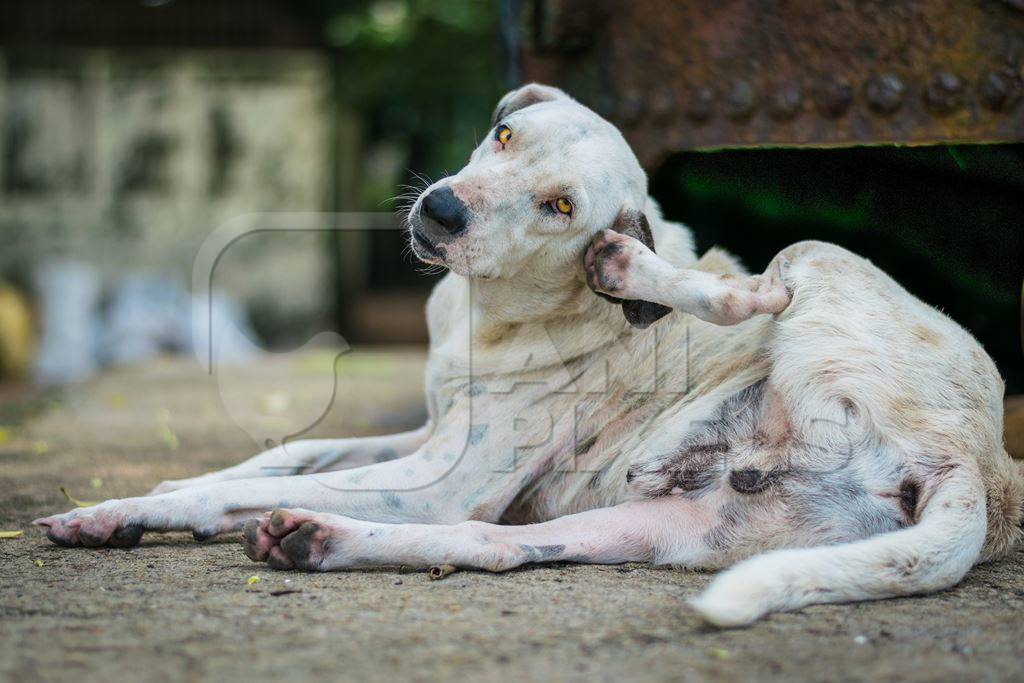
(667, 529)
(621, 266)
(449, 479)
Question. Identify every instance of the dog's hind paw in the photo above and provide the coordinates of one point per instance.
(608, 261)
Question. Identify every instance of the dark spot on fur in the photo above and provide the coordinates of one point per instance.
(385, 455)
(904, 566)
(636, 400)
(698, 449)
(583, 447)
(849, 407)
(610, 283)
(910, 491)
(751, 480)
(477, 434)
(690, 480)
(201, 535)
(611, 250)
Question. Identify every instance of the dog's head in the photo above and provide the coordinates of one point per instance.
(548, 176)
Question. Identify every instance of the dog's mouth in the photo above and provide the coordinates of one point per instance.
(424, 249)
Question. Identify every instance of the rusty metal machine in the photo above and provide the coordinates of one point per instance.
(740, 73)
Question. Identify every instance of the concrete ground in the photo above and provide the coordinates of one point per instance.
(173, 609)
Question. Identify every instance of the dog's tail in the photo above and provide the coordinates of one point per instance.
(933, 554)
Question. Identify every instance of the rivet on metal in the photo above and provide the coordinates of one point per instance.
(1001, 89)
(834, 98)
(784, 102)
(884, 93)
(701, 105)
(741, 100)
(944, 92)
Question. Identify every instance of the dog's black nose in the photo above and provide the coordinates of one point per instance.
(442, 207)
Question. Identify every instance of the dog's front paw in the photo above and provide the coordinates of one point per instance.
(107, 524)
(610, 261)
(300, 539)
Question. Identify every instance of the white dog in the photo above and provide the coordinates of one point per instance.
(846, 445)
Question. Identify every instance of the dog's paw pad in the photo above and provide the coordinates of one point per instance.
(289, 539)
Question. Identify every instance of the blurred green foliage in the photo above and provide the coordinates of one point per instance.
(424, 74)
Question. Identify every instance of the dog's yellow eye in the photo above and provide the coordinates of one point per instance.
(503, 134)
(563, 205)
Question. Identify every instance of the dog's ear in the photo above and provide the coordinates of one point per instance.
(519, 98)
(639, 313)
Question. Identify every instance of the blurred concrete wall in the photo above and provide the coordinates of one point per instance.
(129, 158)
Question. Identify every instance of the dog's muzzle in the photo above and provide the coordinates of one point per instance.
(443, 216)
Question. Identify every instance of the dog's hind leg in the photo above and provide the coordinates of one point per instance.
(310, 456)
(620, 266)
(640, 531)
(933, 554)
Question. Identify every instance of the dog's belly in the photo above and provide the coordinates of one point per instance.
(761, 481)
(652, 397)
